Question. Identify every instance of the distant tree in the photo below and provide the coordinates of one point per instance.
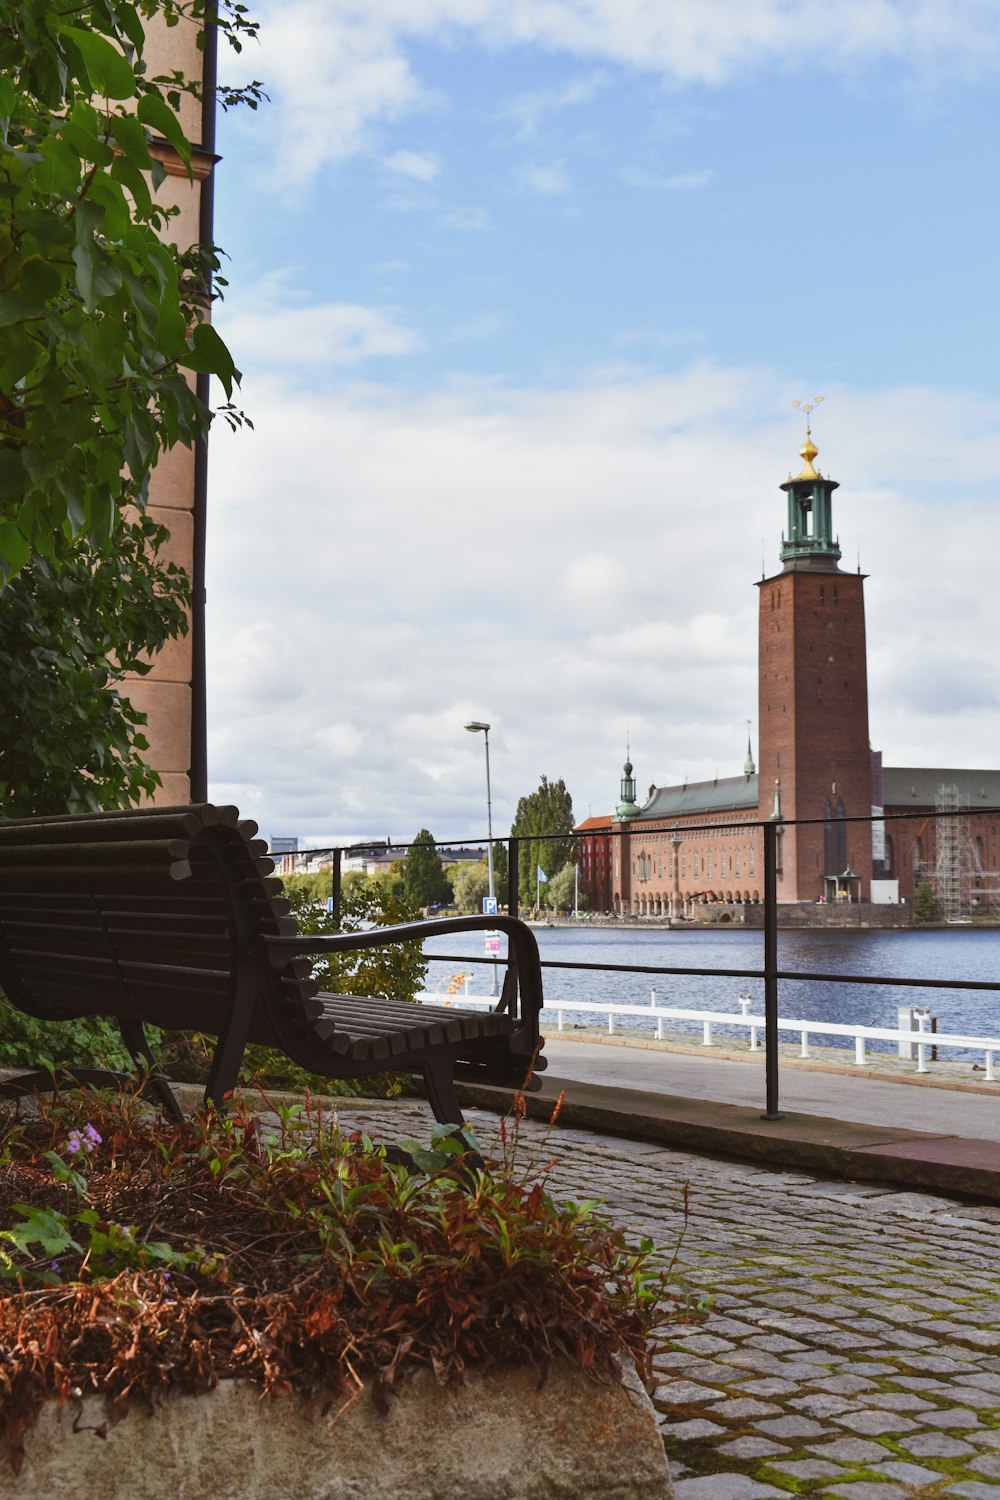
(561, 889)
(926, 907)
(424, 880)
(546, 816)
(471, 882)
(500, 872)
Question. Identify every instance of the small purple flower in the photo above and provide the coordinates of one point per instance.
(53, 1265)
(83, 1140)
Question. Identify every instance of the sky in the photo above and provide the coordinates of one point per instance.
(523, 292)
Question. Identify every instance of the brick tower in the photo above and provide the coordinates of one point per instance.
(813, 685)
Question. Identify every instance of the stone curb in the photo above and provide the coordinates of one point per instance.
(808, 1143)
(501, 1436)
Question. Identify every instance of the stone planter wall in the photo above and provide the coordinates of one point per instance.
(499, 1437)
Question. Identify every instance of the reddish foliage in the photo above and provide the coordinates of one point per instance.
(303, 1261)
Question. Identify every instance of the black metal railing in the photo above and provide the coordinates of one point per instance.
(771, 832)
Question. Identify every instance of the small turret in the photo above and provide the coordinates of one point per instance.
(627, 807)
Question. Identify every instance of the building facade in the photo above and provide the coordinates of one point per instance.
(172, 695)
(849, 829)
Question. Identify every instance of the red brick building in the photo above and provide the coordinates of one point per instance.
(695, 843)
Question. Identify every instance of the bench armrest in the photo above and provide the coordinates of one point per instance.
(523, 954)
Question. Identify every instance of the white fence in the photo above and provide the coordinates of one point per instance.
(920, 1040)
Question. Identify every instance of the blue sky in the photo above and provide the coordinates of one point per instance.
(522, 294)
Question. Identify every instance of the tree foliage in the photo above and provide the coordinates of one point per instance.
(101, 316)
(561, 890)
(471, 882)
(424, 880)
(544, 820)
(69, 628)
(926, 907)
(103, 321)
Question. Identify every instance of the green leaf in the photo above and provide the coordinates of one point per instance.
(211, 357)
(14, 550)
(110, 74)
(157, 114)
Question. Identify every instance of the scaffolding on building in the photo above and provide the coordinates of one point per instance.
(962, 886)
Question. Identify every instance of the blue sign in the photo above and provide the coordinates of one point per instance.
(489, 906)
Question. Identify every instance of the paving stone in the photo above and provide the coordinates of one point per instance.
(972, 1489)
(987, 1464)
(774, 1343)
(955, 1416)
(789, 1427)
(809, 1468)
(983, 1378)
(898, 1401)
(936, 1445)
(822, 1404)
(865, 1489)
(684, 1392)
(704, 1343)
(727, 1487)
(769, 1385)
(981, 1400)
(743, 1409)
(876, 1423)
(844, 1385)
(686, 1432)
(908, 1473)
(849, 1450)
(751, 1447)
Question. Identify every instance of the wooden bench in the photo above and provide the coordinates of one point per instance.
(171, 917)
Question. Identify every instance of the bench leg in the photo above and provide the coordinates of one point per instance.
(156, 1086)
(440, 1084)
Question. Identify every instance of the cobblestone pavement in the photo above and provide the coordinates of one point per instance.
(853, 1346)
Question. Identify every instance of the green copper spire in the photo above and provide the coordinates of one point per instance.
(749, 769)
(627, 807)
(810, 542)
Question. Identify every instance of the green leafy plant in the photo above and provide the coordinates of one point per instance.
(275, 1248)
(103, 322)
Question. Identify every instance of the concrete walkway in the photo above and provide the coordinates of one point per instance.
(852, 1349)
(840, 1123)
(946, 1103)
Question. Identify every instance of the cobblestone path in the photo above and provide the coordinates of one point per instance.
(853, 1345)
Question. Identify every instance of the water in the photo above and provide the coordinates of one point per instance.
(961, 954)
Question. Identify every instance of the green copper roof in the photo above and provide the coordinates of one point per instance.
(726, 794)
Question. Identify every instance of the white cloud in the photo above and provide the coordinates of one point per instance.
(566, 563)
(680, 181)
(335, 69)
(548, 180)
(265, 326)
(530, 111)
(421, 165)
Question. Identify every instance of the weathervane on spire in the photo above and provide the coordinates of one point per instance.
(809, 450)
(809, 407)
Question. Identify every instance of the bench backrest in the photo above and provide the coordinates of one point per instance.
(154, 914)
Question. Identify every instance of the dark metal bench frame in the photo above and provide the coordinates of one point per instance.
(171, 917)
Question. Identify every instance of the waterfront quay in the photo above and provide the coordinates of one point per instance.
(852, 1345)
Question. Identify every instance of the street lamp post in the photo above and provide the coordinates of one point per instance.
(475, 726)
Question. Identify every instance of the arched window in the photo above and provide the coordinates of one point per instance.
(890, 855)
(834, 837)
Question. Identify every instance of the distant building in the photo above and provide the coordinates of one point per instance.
(694, 843)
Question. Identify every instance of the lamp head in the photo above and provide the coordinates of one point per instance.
(475, 726)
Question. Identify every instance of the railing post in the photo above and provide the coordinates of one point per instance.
(513, 896)
(335, 885)
(770, 831)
